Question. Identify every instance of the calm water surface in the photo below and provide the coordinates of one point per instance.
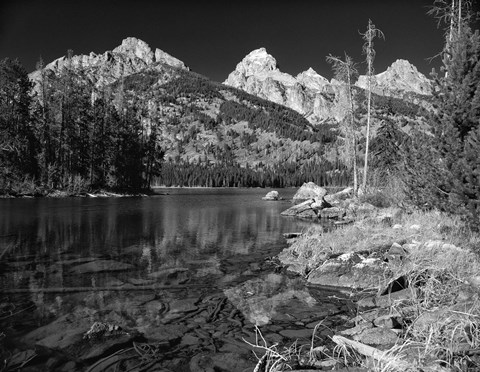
(207, 248)
(199, 227)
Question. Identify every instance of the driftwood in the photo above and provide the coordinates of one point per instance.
(369, 351)
(95, 289)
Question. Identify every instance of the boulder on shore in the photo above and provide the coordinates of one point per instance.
(299, 208)
(339, 196)
(272, 195)
(351, 270)
(320, 204)
(309, 191)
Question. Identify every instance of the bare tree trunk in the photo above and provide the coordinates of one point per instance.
(368, 50)
(354, 137)
(367, 145)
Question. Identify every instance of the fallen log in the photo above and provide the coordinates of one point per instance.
(394, 361)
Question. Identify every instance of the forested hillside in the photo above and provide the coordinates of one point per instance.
(68, 133)
(130, 119)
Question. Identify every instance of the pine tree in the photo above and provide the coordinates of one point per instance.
(441, 169)
(17, 139)
(386, 149)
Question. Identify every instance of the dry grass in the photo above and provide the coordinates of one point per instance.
(370, 234)
(442, 321)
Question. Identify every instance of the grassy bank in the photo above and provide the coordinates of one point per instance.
(437, 316)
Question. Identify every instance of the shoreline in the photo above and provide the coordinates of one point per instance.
(414, 280)
(94, 194)
(55, 193)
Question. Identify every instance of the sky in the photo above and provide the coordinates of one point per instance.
(211, 37)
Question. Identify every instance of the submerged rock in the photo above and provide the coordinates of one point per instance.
(65, 334)
(165, 333)
(183, 305)
(231, 362)
(304, 333)
(106, 346)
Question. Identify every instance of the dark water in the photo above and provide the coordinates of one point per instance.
(151, 262)
(199, 227)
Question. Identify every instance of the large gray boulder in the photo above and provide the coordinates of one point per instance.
(339, 196)
(333, 213)
(299, 208)
(309, 190)
(272, 195)
(351, 270)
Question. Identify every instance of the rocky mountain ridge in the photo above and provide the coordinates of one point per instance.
(260, 121)
(401, 77)
(312, 95)
(131, 56)
(209, 134)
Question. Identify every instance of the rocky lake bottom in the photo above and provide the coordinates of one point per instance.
(180, 323)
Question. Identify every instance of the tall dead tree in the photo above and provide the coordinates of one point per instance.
(369, 52)
(346, 72)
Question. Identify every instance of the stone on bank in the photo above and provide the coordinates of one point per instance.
(272, 195)
(309, 191)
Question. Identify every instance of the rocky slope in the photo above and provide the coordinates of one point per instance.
(312, 95)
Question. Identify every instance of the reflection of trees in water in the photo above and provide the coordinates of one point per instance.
(87, 226)
(151, 233)
(235, 230)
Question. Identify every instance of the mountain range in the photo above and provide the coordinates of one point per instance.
(312, 95)
(259, 120)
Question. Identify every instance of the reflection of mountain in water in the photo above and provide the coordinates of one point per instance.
(195, 229)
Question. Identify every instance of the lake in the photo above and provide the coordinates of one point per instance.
(188, 269)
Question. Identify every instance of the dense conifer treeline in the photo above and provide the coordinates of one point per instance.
(65, 137)
(224, 175)
(65, 133)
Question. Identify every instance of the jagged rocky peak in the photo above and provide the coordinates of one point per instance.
(136, 47)
(312, 80)
(259, 74)
(400, 77)
(258, 67)
(310, 93)
(257, 61)
(131, 56)
(132, 46)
